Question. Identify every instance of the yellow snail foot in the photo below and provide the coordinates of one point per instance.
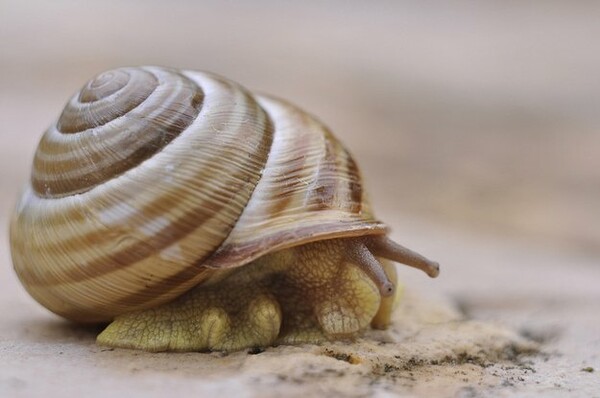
(202, 320)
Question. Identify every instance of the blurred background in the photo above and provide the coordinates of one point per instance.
(471, 116)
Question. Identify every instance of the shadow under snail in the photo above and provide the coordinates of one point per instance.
(195, 215)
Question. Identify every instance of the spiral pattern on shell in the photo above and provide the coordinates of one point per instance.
(153, 179)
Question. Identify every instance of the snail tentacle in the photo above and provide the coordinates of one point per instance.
(360, 255)
(383, 246)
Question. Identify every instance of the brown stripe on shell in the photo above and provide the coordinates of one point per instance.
(177, 229)
(325, 189)
(99, 102)
(154, 294)
(338, 183)
(354, 186)
(169, 287)
(144, 119)
(161, 201)
(287, 178)
(104, 85)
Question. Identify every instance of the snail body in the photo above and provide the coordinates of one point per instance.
(216, 218)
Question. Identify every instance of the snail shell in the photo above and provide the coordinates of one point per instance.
(152, 179)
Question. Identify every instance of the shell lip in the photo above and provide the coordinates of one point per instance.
(230, 256)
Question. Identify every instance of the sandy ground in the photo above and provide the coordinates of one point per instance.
(476, 126)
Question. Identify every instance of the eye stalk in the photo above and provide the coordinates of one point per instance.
(382, 246)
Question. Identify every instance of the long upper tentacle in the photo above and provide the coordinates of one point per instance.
(383, 246)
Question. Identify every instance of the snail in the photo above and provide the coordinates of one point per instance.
(194, 215)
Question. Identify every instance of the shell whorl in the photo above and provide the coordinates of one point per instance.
(152, 176)
(117, 120)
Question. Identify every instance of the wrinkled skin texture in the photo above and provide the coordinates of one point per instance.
(306, 294)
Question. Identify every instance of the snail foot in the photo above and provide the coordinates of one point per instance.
(201, 320)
